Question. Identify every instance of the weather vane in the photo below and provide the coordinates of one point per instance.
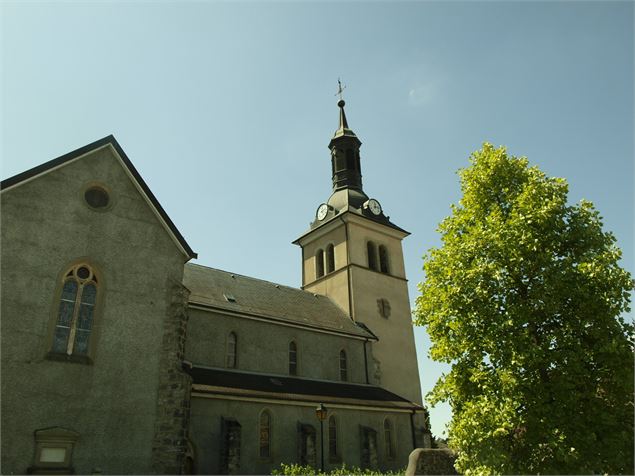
(340, 88)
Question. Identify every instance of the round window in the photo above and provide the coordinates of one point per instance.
(97, 197)
(83, 272)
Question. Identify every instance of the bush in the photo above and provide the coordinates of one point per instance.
(298, 470)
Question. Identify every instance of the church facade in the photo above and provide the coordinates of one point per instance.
(120, 357)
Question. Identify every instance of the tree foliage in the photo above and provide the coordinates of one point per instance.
(525, 298)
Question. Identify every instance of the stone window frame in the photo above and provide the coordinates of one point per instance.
(53, 438)
(293, 362)
(371, 253)
(337, 456)
(329, 258)
(390, 444)
(343, 360)
(384, 261)
(231, 351)
(269, 453)
(319, 263)
(69, 274)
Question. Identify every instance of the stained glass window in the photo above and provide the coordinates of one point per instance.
(343, 366)
(76, 312)
(232, 342)
(293, 358)
(265, 434)
(388, 439)
(332, 439)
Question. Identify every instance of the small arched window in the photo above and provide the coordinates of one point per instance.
(232, 345)
(372, 255)
(265, 434)
(333, 455)
(330, 258)
(389, 441)
(343, 366)
(293, 358)
(319, 263)
(76, 311)
(383, 259)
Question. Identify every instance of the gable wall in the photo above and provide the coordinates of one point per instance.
(112, 403)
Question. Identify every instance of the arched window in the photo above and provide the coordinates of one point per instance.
(76, 311)
(293, 358)
(265, 434)
(343, 366)
(230, 358)
(383, 259)
(319, 263)
(372, 255)
(333, 455)
(389, 439)
(330, 258)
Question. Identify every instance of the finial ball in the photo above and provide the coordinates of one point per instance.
(341, 103)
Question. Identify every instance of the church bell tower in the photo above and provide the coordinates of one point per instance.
(352, 253)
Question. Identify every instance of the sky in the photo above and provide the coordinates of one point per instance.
(226, 110)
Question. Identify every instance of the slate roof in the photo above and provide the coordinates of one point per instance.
(211, 287)
(236, 383)
(78, 153)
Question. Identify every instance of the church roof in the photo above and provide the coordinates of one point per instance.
(255, 385)
(213, 288)
(108, 141)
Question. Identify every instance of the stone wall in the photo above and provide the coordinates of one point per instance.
(431, 461)
(173, 403)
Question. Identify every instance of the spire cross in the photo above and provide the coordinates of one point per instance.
(340, 88)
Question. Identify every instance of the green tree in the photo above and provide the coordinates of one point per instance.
(525, 299)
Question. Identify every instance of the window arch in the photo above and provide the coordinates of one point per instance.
(264, 434)
(343, 366)
(232, 346)
(75, 315)
(383, 259)
(319, 263)
(330, 258)
(333, 454)
(389, 441)
(372, 255)
(293, 358)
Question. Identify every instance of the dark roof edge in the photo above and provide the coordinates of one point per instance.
(108, 140)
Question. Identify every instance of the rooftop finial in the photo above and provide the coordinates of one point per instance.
(340, 90)
(341, 104)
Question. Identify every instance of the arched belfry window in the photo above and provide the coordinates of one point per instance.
(330, 258)
(372, 255)
(319, 263)
(333, 454)
(76, 311)
(343, 366)
(264, 434)
(389, 442)
(293, 358)
(232, 345)
(383, 259)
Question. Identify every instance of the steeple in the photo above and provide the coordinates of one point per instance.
(345, 163)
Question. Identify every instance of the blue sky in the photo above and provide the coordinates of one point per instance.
(226, 109)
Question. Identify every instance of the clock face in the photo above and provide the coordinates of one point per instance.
(374, 206)
(322, 211)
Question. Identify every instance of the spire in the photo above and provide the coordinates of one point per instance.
(345, 161)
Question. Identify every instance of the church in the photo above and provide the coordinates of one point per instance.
(119, 356)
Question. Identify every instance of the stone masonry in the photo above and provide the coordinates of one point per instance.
(173, 403)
